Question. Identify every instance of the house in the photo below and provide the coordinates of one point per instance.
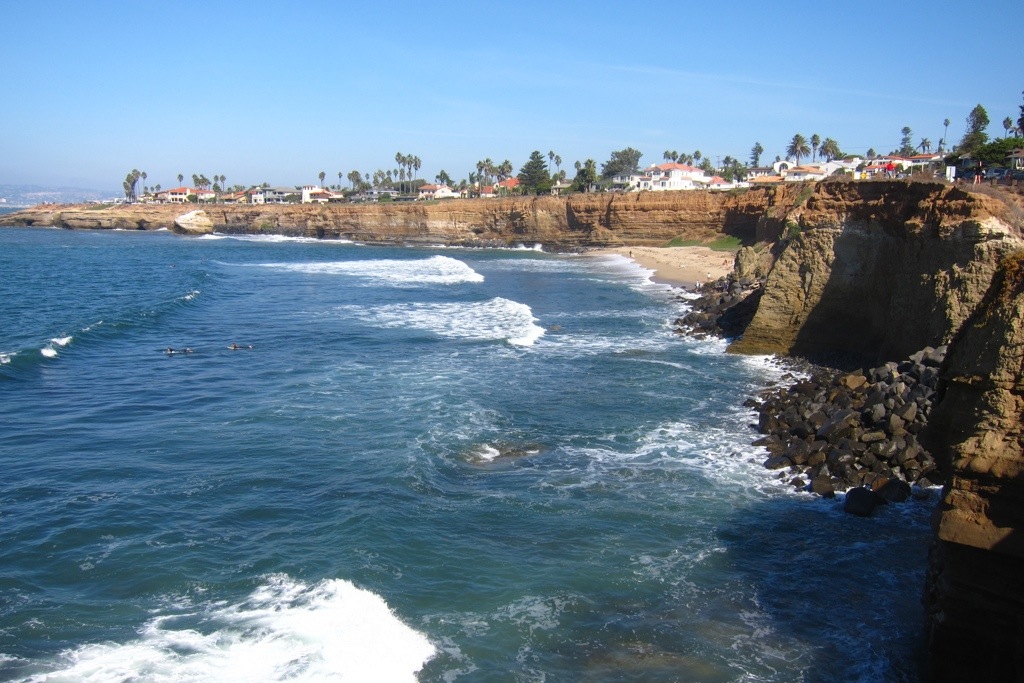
(180, 195)
(313, 193)
(436, 192)
(233, 198)
(719, 183)
(671, 176)
(760, 171)
(1015, 159)
(270, 195)
(375, 194)
(507, 186)
(798, 174)
(487, 191)
(766, 180)
(560, 188)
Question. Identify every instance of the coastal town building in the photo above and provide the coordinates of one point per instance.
(313, 194)
(270, 195)
(436, 192)
(180, 195)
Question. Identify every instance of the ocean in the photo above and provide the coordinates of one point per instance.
(432, 464)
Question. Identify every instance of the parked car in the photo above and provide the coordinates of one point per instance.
(995, 172)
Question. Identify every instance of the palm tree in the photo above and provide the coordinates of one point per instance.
(798, 148)
(1007, 124)
(829, 149)
(144, 176)
(321, 175)
(815, 144)
(697, 156)
(339, 180)
(180, 178)
(945, 131)
(925, 145)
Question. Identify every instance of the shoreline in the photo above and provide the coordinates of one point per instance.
(685, 267)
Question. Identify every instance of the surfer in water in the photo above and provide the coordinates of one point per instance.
(236, 347)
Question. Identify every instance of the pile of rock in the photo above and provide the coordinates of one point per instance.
(723, 309)
(836, 431)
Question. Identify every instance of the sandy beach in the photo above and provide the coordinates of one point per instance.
(678, 266)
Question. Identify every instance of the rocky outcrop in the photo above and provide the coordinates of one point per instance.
(651, 218)
(835, 431)
(975, 592)
(193, 223)
(876, 271)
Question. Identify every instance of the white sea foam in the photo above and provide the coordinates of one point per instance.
(61, 341)
(493, 320)
(436, 270)
(48, 351)
(5, 358)
(285, 630)
(275, 239)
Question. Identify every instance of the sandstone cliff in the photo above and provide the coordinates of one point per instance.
(975, 596)
(877, 271)
(585, 220)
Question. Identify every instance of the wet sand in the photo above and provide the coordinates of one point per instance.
(678, 266)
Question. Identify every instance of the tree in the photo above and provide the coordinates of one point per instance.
(906, 146)
(1020, 121)
(586, 175)
(534, 175)
(755, 154)
(1007, 126)
(670, 155)
(798, 148)
(321, 175)
(180, 178)
(830, 149)
(925, 145)
(871, 153)
(444, 178)
(356, 178)
(815, 144)
(622, 162)
(144, 176)
(697, 156)
(975, 137)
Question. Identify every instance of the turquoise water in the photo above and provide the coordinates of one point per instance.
(432, 464)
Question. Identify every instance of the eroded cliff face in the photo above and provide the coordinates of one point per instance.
(878, 271)
(651, 218)
(975, 593)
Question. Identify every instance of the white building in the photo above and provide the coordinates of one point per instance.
(436, 192)
(658, 178)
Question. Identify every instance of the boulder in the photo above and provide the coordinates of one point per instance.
(860, 501)
(193, 223)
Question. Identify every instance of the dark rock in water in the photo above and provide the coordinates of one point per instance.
(823, 487)
(860, 501)
(777, 462)
(894, 491)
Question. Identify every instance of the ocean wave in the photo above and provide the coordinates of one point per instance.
(285, 630)
(498, 319)
(436, 270)
(274, 239)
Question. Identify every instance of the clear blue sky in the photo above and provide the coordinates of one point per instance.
(278, 91)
